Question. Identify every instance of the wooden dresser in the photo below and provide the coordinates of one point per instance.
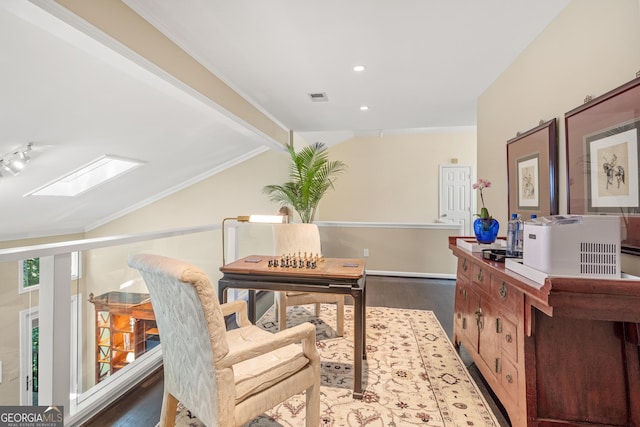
(565, 353)
(125, 329)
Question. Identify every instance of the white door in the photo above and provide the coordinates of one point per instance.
(29, 343)
(455, 196)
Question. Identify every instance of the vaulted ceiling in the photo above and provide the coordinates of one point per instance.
(65, 88)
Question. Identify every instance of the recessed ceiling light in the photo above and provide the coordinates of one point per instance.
(363, 108)
(95, 173)
(359, 68)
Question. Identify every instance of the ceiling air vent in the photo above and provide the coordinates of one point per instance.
(318, 97)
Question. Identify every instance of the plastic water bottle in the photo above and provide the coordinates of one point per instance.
(519, 237)
(512, 235)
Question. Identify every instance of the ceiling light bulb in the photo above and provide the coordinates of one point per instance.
(10, 168)
(364, 108)
(359, 68)
(17, 163)
(24, 157)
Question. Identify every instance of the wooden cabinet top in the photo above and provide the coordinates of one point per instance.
(603, 299)
(136, 305)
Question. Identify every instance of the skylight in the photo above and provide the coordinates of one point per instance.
(91, 175)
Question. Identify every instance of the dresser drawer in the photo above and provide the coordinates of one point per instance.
(509, 379)
(508, 338)
(464, 267)
(480, 275)
(509, 298)
(460, 302)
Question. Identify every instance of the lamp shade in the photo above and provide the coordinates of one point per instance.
(269, 219)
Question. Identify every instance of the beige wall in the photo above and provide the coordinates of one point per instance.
(394, 178)
(410, 251)
(592, 47)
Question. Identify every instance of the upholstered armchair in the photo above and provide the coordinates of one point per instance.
(291, 239)
(225, 378)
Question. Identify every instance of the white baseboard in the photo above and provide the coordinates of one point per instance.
(410, 274)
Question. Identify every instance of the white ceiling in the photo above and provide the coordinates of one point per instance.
(427, 62)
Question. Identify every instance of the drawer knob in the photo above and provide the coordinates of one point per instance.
(509, 378)
(508, 338)
(480, 275)
(479, 318)
(464, 264)
(503, 290)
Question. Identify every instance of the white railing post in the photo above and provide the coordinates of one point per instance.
(54, 369)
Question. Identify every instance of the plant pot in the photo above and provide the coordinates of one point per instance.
(486, 230)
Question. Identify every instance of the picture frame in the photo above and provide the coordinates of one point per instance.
(532, 171)
(602, 138)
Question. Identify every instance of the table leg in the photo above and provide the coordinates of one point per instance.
(358, 344)
(222, 294)
(364, 321)
(252, 306)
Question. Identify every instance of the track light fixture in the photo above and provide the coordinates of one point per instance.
(14, 162)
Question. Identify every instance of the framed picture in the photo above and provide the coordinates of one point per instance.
(532, 171)
(603, 159)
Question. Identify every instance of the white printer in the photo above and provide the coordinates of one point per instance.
(574, 245)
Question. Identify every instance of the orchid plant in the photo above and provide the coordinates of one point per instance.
(481, 185)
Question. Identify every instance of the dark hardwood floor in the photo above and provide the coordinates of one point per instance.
(141, 406)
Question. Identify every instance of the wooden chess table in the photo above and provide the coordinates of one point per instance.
(328, 275)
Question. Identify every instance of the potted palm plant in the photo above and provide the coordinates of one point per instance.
(311, 174)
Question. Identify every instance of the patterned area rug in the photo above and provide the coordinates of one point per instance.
(413, 375)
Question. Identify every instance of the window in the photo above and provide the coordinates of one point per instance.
(29, 272)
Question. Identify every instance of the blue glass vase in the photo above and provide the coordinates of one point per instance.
(486, 230)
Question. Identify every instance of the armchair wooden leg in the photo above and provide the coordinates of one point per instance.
(282, 314)
(312, 418)
(169, 409)
(317, 307)
(340, 315)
